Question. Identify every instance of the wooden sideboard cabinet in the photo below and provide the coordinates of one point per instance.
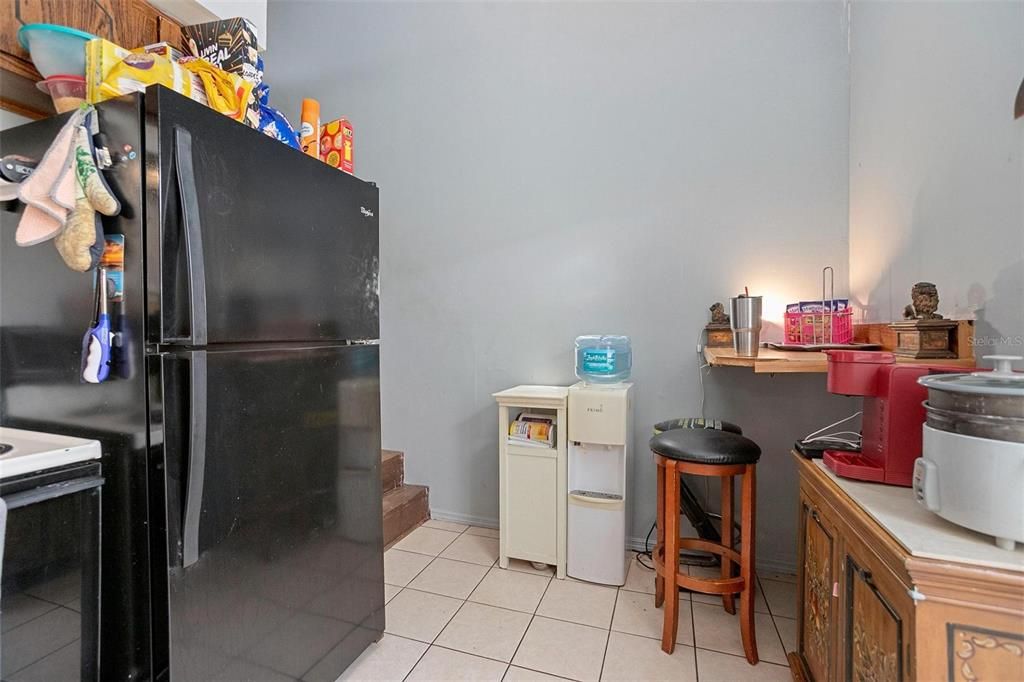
(129, 23)
(889, 591)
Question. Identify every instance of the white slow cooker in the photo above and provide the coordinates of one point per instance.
(971, 470)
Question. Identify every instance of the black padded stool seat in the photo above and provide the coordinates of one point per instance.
(706, 446)
(697, 423)
(695, 513)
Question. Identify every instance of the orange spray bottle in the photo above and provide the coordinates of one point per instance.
(309, 135)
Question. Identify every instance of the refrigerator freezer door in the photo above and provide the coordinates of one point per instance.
(254, 242)
(272, 509)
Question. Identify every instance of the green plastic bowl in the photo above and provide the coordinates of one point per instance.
(55, 50)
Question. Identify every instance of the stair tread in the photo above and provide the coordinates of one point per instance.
(405, 508)
(399, 496)
(392, 470)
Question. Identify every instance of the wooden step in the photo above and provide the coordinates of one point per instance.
(405, 508)
(392, 470)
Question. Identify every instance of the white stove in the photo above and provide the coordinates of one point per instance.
(22, 452)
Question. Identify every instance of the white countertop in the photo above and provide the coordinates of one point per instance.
(550, 397)
(35, 451)
(530, 391)
(922, 533)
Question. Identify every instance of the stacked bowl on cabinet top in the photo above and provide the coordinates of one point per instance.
(58, 53)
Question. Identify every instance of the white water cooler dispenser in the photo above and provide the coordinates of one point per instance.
(600, 435)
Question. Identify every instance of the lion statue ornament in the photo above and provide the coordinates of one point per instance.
(718, 316)
(924, 301)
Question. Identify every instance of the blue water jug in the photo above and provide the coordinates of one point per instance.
(603, 359)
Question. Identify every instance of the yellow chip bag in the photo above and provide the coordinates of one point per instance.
(228, 93)
(112, 71)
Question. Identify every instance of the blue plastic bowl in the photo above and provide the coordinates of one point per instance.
(55, 50)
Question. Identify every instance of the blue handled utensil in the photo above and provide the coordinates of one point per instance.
(96, 344)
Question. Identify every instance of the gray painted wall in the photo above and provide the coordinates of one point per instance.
(554, 169)
(936, 170)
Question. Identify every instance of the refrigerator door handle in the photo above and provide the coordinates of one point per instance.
(193, 235)
(196, 460)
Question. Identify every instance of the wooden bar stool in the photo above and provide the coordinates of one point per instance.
(704, 452)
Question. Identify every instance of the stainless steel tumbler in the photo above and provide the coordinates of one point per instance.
(745, 321)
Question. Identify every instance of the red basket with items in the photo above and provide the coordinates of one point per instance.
(814, 322)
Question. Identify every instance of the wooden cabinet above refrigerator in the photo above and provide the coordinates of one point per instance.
(129, 23)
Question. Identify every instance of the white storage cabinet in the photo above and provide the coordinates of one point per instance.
(532, 481)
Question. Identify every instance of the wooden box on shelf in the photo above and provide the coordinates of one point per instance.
(719, 335)
(926, 339)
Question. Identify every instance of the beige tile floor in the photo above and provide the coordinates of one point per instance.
(452, 614)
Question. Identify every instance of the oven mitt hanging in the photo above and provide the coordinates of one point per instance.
(81, 243)
(77, 244)
(49, 193)
(89, 177)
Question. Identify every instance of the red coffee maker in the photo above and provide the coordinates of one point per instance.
(892, 416)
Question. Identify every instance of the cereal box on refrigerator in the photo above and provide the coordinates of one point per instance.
(336, 145)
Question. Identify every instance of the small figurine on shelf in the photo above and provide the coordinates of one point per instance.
(924, 299)
(924, 333)
(718, 316)
(718, 330)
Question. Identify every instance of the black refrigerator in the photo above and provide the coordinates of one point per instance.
(241, 513)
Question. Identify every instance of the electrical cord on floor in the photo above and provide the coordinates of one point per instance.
(647, 552)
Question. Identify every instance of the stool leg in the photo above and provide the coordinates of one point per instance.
(728, 600)
(659, 578)
(748, 524)
(671, 626)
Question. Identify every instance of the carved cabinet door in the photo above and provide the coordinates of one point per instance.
(876, 627)
(817, 626)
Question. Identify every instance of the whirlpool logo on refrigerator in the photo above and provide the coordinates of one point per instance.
(366, 212)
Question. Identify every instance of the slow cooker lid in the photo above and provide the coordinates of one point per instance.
(1001, 381)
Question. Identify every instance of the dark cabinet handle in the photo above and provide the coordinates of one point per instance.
(865, 575)
(868, 579)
